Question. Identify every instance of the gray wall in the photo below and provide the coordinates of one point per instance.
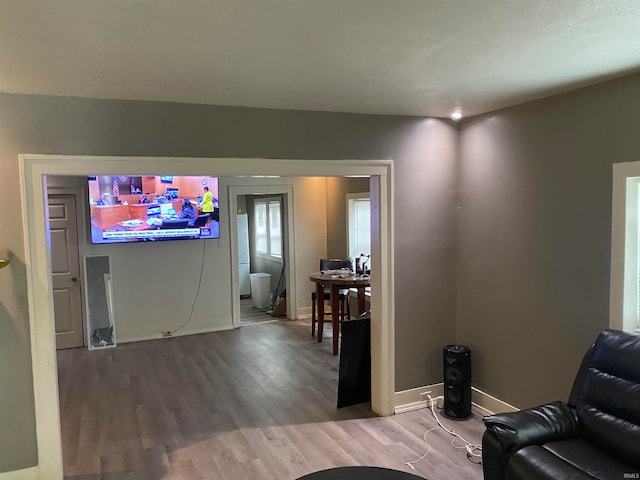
(425, 243)
(534, 235)
(532, 238)
(424, 154)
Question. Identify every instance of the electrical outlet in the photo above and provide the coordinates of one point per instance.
(166, 333)
(424, 396)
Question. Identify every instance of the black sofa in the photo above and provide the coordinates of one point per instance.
(595, 435)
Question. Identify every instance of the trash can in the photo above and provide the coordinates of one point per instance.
(260, 290)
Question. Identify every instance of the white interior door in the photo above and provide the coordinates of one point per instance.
(65, 271)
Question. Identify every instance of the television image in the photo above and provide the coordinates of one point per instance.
(154, 210)
(166, 179)
(156, 215)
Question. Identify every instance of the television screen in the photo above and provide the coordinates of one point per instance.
(143, 209)
(153, 210)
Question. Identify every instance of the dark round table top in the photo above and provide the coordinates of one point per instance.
(360, 473)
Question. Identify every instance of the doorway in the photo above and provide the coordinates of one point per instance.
(241, 307)
(35, 168)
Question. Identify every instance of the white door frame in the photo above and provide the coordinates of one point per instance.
(289, 253)
(33, 170)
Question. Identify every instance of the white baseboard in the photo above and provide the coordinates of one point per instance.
(415, 398)
(181, 333)
(486, 404)
(304, 313)
(32, 473)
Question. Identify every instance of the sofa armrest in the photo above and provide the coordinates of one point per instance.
(533, 426)
(493, 459)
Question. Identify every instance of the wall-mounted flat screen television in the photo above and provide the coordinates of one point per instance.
(148, 208)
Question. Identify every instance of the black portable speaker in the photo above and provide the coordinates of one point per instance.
(456, 361)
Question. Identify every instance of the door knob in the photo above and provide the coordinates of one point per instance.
(74, 279)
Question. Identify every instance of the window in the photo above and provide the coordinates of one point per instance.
(624, 310)
(358, 225)
(268, 228)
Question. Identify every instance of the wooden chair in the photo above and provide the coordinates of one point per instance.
(343, 298)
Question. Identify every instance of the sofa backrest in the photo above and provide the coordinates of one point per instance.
(608, 403)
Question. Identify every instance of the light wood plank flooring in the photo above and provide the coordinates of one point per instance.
(253, 403)
(250, 315)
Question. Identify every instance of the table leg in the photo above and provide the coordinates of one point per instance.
(320, 309)
(361, 298)
(335, 316)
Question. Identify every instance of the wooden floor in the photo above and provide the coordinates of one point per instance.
(250, 315)
(253, 403)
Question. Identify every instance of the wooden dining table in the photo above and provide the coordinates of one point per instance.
(336, 282)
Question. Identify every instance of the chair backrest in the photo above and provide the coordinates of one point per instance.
(201, 220)
(334, 264)
(606, 395)
(177, 223)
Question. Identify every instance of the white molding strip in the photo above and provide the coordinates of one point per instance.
(304, 313)
(486, 404)
(31, 473)
(181, 333)
(416, 398)
(623, 299)
(33, 169)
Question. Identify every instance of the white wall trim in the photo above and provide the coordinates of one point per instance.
(41, 321)
(415, 398)
(488, 405)
(624, 264)
(349, 227)
(181, 333)
(34, 168)
(383, 358)
(32, 473)
(289, 256)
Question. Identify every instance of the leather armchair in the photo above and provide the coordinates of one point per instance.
(595, 435)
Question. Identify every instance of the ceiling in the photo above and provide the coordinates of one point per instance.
(405, 57)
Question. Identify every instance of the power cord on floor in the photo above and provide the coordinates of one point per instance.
(474, 451)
